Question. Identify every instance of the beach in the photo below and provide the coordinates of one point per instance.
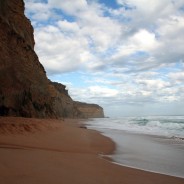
(36, 151)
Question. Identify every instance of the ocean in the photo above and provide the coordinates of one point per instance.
(171, 126)
(150, 143)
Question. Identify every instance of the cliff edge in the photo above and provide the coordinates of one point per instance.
(25, 89)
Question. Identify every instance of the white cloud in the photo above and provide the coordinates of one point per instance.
(69, 6)
(65, 54)
(154, 84)
(171, 35)
(141, 41)
(101, 91)
(151, 7)
(102, 34)
(76, 43)
(68, 27)
(144, 40)
(177, 77)
(133, 54)
(170, 27)
(149, 12)
(39, 11)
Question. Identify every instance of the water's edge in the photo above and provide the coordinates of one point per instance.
(157, 154)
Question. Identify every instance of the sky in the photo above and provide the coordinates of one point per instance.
(125, 55)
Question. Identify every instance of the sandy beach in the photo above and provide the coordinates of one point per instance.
(36, 151)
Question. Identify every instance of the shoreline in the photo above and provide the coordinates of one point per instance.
(35, 151)
(154, 172)
(157, 154)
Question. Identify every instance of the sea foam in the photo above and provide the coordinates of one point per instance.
(171, 126)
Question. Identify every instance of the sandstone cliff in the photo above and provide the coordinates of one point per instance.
(24, 87)
(89, 110)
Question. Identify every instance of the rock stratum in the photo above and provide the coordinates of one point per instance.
(25, 89)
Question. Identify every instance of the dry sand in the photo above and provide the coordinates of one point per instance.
(35, 151)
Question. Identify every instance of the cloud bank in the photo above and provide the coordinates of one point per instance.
(126, 55)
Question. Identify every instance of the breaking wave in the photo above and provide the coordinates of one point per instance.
(172, 126)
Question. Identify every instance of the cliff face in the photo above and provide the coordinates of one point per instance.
(24, 87)
(89, 110)
(62, 102)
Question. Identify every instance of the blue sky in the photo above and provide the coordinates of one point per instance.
(125, 55)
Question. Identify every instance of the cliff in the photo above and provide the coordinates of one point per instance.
(24, 87)
(89, 110)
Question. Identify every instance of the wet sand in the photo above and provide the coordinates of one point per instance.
(148, 152)
(35, 151)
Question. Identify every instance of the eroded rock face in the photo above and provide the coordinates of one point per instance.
(89, 110)
(62, 102)
(12, 13)
(24, 87)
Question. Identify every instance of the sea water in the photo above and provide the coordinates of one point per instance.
(154, 143)
(171, 126)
